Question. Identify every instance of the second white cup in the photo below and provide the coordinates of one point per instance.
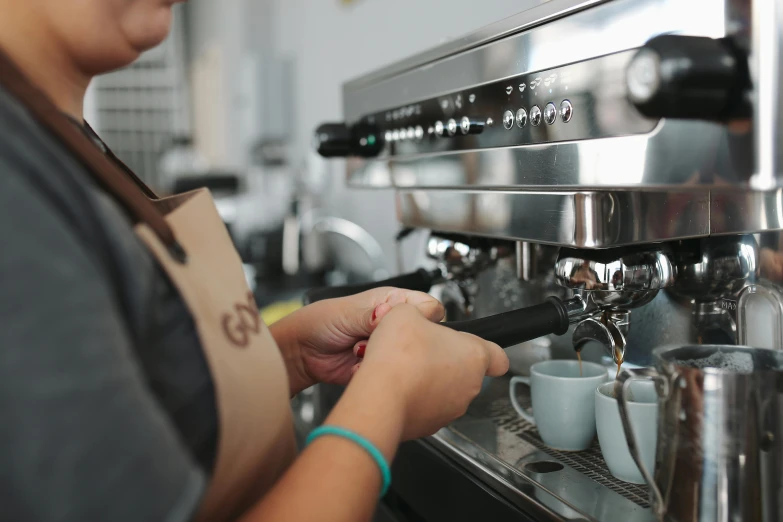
(643, 411)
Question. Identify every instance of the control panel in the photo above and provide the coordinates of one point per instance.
(579, 101)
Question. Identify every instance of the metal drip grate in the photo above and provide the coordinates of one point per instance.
(589, 462)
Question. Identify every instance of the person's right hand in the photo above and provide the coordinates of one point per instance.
(433, 372)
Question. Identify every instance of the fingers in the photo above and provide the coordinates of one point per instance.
(359, 349)
(498, 360)
(427, 305)
(378, 313)
(361, 321)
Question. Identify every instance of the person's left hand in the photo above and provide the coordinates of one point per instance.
(324, 341)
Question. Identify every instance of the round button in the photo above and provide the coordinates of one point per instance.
(410, 133)
(535, 116)
(419, 132)
(464, 125)
(388, 136)
(566, 111)
(439, 128)
(550, 113)
(508, 120)
(451, 126)
(395, 135)
(521, 118)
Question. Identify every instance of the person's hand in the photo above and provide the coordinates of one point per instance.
(429, 371)
(324, 341)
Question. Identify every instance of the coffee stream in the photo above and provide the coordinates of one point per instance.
(618, 354)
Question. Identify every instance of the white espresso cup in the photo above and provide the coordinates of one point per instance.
(563, 402)
(643, 413)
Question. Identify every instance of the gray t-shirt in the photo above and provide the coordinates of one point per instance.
(107, 408)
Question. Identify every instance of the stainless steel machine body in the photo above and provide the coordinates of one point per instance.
(627, 151)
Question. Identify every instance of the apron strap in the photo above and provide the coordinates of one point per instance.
(132, 175)
(129, 193)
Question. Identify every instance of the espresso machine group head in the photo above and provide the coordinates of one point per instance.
(611, 286)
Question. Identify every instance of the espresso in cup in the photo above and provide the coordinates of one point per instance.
(563, 402)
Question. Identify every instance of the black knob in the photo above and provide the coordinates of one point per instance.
(674, 76)
(338, 140)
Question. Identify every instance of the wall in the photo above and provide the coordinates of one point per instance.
(331, 43)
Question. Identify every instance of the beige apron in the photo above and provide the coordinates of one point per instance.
(190, 241)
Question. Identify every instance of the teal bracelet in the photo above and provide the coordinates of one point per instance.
(361, 441)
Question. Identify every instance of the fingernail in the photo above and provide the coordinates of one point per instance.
(379, 311)
(360, 350)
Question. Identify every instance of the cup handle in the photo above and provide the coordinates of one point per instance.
(515, 403)
(621, 386)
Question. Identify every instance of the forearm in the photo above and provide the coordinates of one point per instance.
(335, 480)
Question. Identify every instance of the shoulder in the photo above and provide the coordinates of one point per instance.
(37, 166)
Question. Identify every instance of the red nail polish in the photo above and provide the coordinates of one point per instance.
(360, 350)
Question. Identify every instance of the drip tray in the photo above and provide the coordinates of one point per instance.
(565, 485)
(589, 462)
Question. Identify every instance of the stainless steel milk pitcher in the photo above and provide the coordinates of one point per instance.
(719, 455)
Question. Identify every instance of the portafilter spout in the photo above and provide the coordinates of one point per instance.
(612, 282)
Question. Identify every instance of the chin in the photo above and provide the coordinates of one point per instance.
(144, 37)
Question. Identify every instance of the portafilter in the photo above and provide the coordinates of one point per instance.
(602, 286)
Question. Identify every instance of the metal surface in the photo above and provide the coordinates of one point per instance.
(608, 334)
(461, 259)
(610, 288)
(550, 35)
(748, 310)
(644, 271)
(494, 442)
(720, 267)
(594, 91)
(735, 212)
(579, 219)
(714, 154)
(547, 10)
(713, 274)
(682, 155)
(299, 229)
(720, 433)
(767, 72)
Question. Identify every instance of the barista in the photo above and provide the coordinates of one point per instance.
(137, 382)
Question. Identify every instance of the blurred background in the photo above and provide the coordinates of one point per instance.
(230, 102)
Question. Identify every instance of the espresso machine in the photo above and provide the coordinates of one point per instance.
(611, 168)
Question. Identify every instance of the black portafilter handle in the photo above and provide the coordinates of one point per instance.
(421, 280)
(518, 326)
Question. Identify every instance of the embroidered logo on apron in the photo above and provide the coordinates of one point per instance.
(244, 321)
